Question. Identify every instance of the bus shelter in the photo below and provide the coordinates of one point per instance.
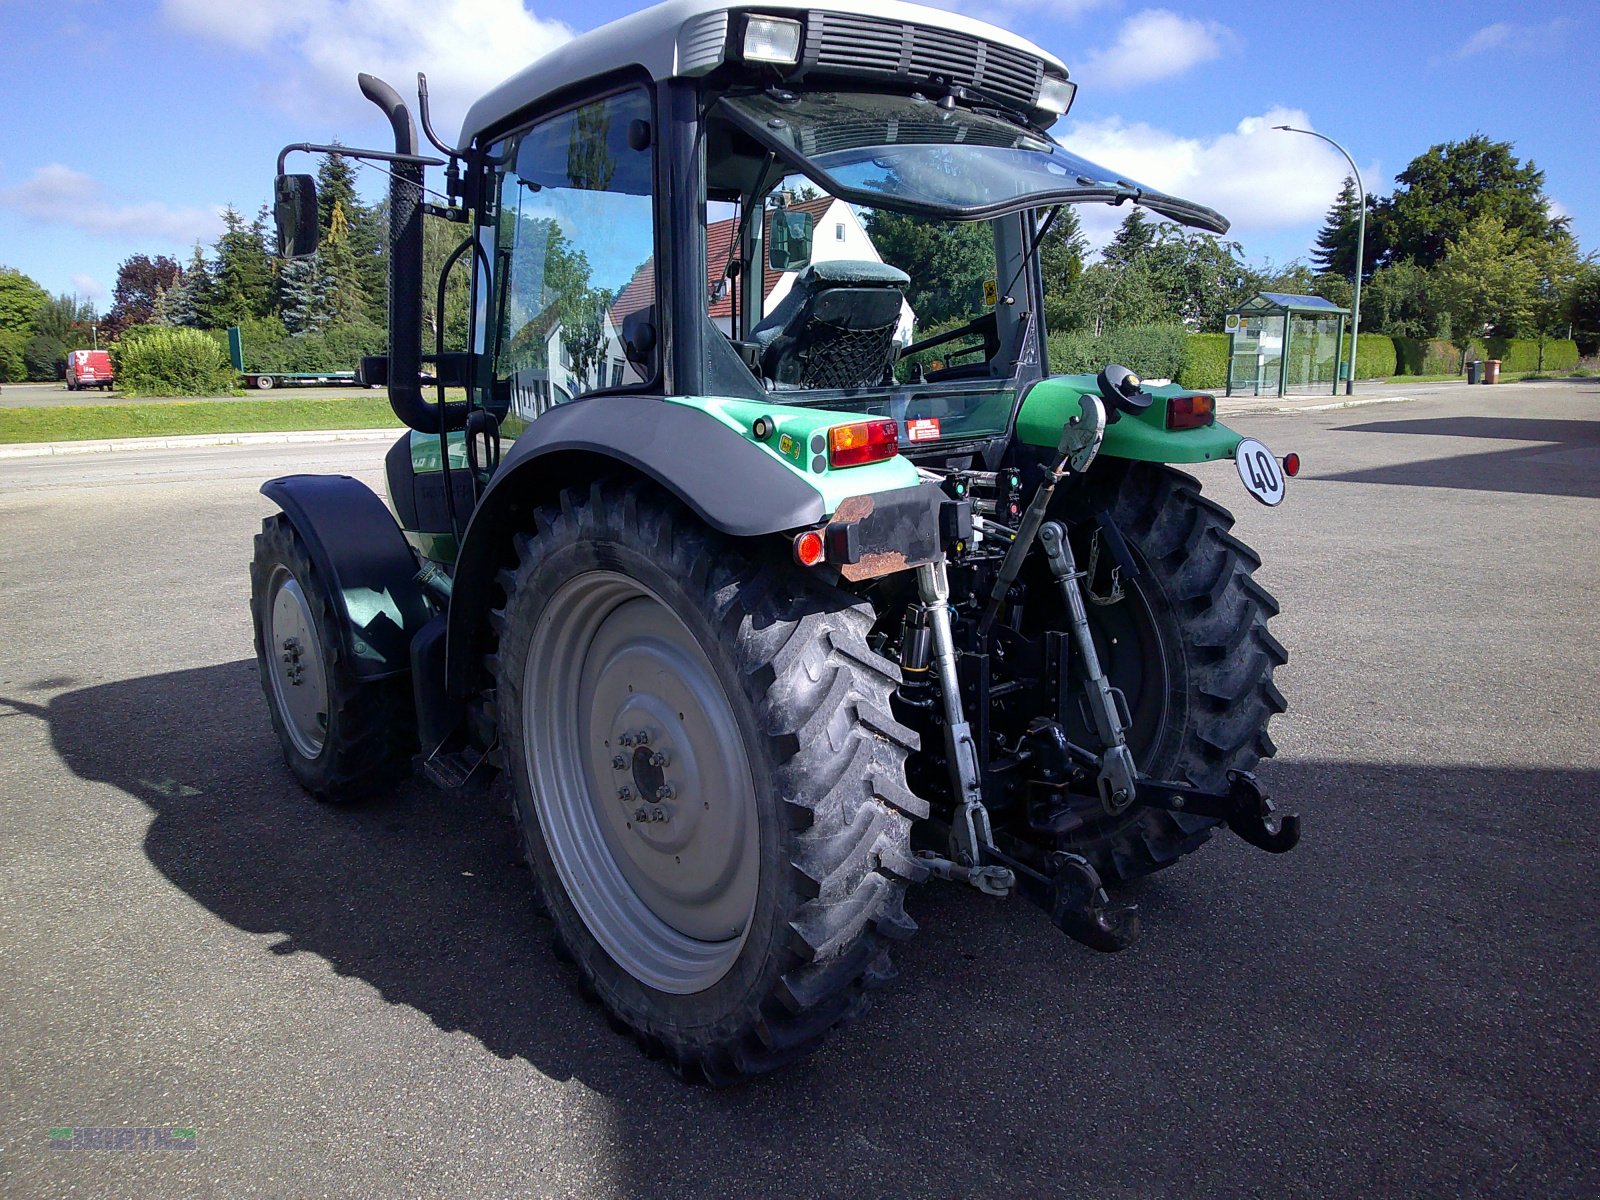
(1278, 343)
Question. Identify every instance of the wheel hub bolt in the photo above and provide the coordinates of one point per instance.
(624, 792)
(651, 816)
(658, 759)
(642, 737)
(626, 739)
(619, 763)
(665, 792)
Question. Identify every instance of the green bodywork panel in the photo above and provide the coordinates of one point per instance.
(799, 441)
(1142, 438)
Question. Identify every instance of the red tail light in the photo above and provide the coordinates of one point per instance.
(1191, 412)
(862, 442)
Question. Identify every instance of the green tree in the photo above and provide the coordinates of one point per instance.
(1403, 300)
(336, 188)
(342, 295)
(1197, 277)
(20, 300)
(1583, 307)
(1556, 269)
(1107, 297)
(1486, 282)
(243, 285)
(948, 262)
(1335, 252)
(61, 323)
(439, 239)
(13, 363)
(1454, 185)
(1061, 252)
(301, 295)
(189, 294)
(1134, 238)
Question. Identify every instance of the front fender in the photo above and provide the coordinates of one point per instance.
(1139, 438)
(356, 544)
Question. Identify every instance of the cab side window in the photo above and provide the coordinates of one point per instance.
(574, 263)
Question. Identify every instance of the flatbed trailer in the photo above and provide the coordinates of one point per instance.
(267, 380)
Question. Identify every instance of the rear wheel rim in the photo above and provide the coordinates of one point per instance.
(294, 664)
(623, 717)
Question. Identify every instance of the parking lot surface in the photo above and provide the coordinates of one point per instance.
(363, 1001)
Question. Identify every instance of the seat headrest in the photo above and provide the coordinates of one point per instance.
(852, 272)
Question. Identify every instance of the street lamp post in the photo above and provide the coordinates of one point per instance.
(1361, 247)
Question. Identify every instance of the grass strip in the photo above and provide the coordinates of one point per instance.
(175, 418)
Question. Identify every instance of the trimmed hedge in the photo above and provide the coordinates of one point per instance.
(1519, 355)
(1154, 351)
(1205, 363)
(1376, 356)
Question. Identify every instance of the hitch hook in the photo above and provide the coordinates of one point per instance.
(1256, 819)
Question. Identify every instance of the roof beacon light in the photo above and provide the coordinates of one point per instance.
(771, 40)
(1055, 95)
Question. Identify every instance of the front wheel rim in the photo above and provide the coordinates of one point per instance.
(641, 782)
(294, 664)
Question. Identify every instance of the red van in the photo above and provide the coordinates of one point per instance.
(87, 369)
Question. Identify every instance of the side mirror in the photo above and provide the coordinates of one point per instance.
(295, 211)
(789, 244)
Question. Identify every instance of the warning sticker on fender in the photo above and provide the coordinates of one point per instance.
(922, 429)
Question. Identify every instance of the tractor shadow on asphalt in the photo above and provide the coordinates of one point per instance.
(1379, 951)
(1567, 463)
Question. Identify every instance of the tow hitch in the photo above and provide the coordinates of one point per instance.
(1244, 806)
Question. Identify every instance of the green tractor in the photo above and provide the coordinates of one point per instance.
(761, 606)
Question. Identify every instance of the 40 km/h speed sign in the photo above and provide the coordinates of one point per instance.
(1259, 472)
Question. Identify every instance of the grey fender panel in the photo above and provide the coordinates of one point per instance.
(732, 485)
(355, 543)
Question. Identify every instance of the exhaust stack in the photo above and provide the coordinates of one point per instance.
(405, 271)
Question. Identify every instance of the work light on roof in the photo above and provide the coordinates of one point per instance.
(1055, 95)
(771, 40)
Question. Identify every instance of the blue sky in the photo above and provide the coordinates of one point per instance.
(128, 123)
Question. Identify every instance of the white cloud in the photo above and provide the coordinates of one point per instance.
(1154, 44)
(1508, 37)
(465, 46)
(88, 287)
(1262, 180)
(59, 195)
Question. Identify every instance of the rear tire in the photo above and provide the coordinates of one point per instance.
(788, 776)
(1189, 646)
(343, 737)
(263, 382)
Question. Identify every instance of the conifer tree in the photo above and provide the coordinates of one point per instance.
(1135, 237)
(1335, 253)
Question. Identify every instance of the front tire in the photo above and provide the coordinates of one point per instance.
(749, 912)
(342, 736)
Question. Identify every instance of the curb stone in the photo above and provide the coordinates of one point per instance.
(194, 441)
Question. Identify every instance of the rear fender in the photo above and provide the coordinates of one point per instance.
(354, 542)
(1142, 437)
(703, 451)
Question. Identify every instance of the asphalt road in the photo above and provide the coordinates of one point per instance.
(363, 1002)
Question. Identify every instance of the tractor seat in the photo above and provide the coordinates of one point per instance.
(835, 328)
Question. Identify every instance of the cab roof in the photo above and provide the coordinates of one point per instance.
(689, 38)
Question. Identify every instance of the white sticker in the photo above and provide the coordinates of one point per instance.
(1260, 473)
(922, 429)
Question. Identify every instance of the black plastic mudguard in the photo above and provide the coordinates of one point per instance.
(354, 541)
